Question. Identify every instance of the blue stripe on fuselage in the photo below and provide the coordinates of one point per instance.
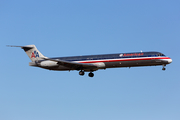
(109, 56)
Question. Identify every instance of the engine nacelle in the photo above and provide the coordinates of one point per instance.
(48, 63)
(100, 65)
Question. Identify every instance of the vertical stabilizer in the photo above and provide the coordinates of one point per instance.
(32, 52)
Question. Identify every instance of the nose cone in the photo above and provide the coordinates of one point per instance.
(170, 60)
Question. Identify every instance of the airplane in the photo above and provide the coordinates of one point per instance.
(91, 63)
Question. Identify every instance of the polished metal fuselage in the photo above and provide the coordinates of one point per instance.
(114, 61)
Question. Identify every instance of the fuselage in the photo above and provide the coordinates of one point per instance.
(91, 63)
(115, 60)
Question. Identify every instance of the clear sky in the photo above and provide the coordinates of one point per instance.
(79, 27)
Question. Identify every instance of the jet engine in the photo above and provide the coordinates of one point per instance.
(48, 63)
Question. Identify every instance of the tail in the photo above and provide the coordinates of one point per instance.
(32, 52)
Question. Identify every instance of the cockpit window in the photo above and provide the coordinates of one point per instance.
(160, 54)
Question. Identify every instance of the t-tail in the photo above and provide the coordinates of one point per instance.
(32, 52)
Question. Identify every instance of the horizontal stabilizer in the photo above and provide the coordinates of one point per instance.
(33, 53)
(25, 48)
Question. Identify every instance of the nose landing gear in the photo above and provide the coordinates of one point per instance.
(164, 67)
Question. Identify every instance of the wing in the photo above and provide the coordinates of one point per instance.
(74, 65)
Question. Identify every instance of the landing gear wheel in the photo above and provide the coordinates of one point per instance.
(163, 68)
(81, 73)
(91, 74)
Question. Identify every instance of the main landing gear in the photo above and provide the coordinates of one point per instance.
(164, 67)
(91, 74)
(82, 73)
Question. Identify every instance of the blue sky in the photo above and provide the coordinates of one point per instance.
(68, 28)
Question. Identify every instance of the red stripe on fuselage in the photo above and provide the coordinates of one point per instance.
(130, 59)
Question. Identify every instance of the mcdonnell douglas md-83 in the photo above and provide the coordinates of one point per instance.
(91, 63)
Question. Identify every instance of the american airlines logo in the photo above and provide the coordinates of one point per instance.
(34, 54)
